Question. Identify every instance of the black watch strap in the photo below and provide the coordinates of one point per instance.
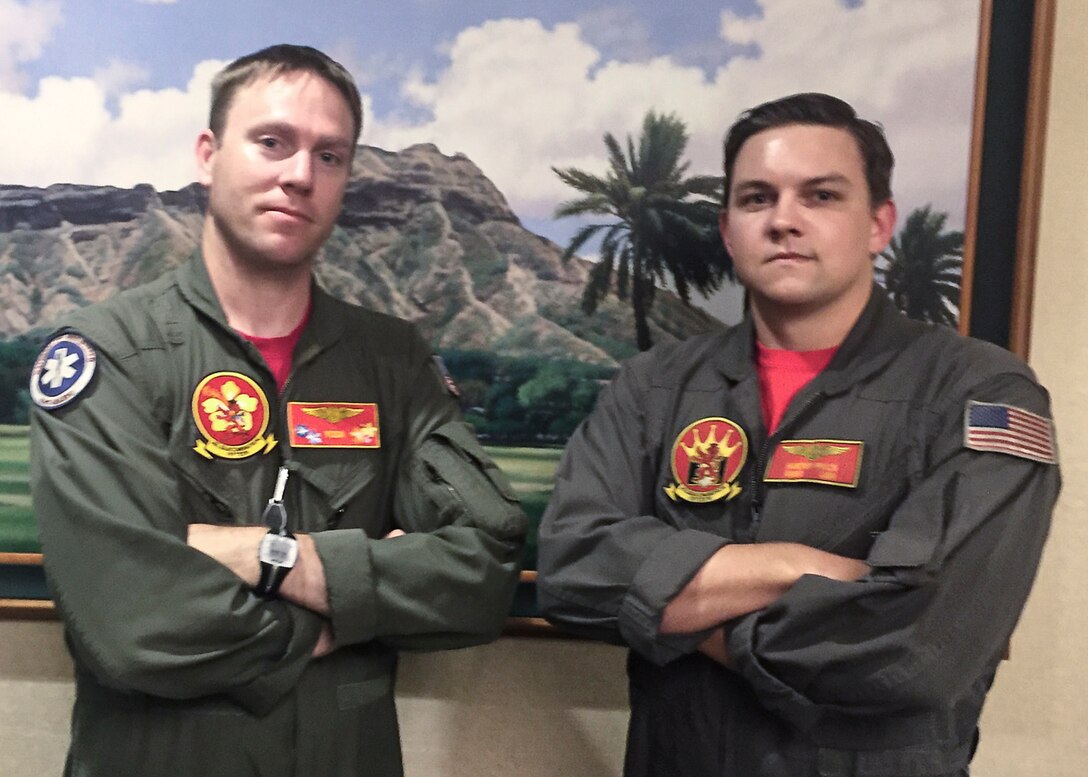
(272, 575)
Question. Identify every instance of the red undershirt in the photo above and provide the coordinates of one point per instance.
(277, 351)
(782, 374)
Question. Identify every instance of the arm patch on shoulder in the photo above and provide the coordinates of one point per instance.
(62, 370)
(997, 428)
(447, 379)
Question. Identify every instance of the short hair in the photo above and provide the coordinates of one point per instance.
(275, 61)
(819, 109)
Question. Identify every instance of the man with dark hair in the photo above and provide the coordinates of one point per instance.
(251, 495)
(276, 61)
(833, 596)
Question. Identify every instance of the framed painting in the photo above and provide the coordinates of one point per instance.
(525, 384)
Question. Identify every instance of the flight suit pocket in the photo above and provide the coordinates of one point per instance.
(913, 535)
(351, 695)
(465, 485)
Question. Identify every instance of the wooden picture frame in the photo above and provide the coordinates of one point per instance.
(1001, 226)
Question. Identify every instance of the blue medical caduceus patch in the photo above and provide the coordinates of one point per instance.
(62, 370)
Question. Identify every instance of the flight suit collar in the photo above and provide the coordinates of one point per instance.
(325, 327)
(735, 359)
(878, 335)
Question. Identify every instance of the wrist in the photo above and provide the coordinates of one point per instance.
(276, 556)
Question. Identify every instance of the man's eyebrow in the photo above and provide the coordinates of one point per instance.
(818, 180)
(831, 178)
(289, 130)
(753, 183)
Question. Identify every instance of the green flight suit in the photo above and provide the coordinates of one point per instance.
(180, 668)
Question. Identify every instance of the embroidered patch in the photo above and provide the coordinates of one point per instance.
(231, 413)
(62, 370)
(997, 428)
(831, 462)
(333, 424)
(706, 458)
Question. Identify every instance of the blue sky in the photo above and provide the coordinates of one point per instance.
(379, 40)
(114, 92)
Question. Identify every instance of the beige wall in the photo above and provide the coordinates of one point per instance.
(549, 707)
(1036, 719)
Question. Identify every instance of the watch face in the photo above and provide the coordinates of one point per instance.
(279, 551)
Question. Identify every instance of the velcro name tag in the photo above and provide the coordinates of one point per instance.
(831, 462)
(333, 424)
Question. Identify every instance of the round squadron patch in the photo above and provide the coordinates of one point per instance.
(61, 371)
(706, 458)
(231, 413)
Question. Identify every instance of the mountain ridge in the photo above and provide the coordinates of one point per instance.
(421, 235)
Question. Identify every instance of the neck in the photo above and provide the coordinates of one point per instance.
(258, 298)
(804, 329)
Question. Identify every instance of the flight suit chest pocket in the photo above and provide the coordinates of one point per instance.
(344, 489)
(836, 481)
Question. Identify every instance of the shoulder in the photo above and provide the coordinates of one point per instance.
(952, 375)
(670, 364)
(950, 360)
(126, 323)
(380, 331)
(114, 331)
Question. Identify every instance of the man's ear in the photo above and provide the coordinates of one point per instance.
(206, 146)
(884, 216)
(723, 229)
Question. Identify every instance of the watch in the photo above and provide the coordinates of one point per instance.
(278, 553)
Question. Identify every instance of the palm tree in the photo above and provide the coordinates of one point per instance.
(924, 268)
(658, 230)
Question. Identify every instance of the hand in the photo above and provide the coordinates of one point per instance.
(818, 562)
(235, 547)
(742, 578)
(394, 533)
(325, 643)
(715, 648)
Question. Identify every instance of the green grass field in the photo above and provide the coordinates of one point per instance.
(16, 516)
(530, 470)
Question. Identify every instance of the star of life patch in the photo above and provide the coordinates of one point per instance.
(997, 428)
(62, 370)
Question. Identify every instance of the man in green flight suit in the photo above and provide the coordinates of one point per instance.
(251, 495)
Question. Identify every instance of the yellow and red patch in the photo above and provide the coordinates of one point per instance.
(333, 424)
(707, 457)
(832, 462)
(231, 414)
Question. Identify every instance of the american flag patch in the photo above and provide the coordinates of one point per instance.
(1007, 429)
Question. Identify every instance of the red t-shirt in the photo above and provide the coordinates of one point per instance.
(782, 374)
(277, 351)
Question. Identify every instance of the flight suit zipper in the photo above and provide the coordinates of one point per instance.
(759, 487)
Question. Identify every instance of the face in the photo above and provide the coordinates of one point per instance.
(799, 223)
(276, 176)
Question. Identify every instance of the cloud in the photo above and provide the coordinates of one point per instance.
(156, 2)
(518, 97)
(119, 76)
(617, 32)
(65, 133)
(25, 28)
